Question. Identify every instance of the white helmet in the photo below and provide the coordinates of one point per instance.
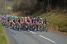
(25, 17)
(28, 17)
(41, 18)
(21, 17)
(34, 18)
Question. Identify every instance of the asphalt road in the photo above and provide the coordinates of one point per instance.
(25, 37)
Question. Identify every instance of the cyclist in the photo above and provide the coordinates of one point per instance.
(29, 22)
(22, 23)
(34, 25)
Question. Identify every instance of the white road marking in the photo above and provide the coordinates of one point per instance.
(33, 32)
(47, 39)
(43, 37)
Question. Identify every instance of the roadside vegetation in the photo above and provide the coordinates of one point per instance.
(54, 10)
(3, 39)
(57, 21)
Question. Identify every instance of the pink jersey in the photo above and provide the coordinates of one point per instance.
(21, 20)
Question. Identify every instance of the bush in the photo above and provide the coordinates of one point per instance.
(58, 20)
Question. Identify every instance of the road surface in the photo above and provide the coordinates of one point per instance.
(29, 37)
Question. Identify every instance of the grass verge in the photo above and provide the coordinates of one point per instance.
(3, 39)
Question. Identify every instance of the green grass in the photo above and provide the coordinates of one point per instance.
(3, 39)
